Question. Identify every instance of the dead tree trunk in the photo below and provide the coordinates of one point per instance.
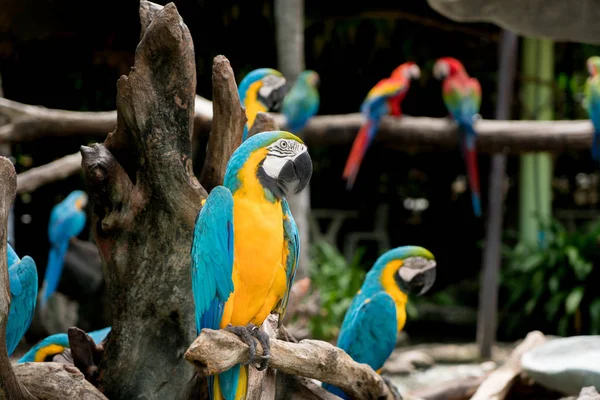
(146, 199)
(289, 25)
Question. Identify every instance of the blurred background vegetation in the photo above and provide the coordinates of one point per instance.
(64, 61)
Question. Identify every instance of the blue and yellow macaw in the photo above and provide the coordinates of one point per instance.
(56, 344)
(260, 91)
(246, 245)
(592, 102)
(301, 103)
(23, 281)
(378, 311)
(67, 220)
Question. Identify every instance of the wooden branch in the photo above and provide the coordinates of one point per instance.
(54, 381)
(27, 123)
(10, 388)
(263, 122)
(216, 351)
(62, 168)
(407, 133)
(228, 128)
(145, 200)
(498, 383)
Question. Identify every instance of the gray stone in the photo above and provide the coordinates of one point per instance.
(559, 20)
(566, 365)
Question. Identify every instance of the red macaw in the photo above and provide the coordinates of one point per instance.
(462, 97)
(383, 99)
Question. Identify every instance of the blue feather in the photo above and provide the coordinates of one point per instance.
(302, 102)
(23, 289)
(67, 220)
(11, 255)
(212, 265)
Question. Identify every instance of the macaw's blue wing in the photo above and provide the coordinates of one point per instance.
(48, 347)
(99, 335)
(23, 290)
(212, 258)
(11, 255)
(369, 336)
(292, 241)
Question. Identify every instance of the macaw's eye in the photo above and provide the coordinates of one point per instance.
(283, 144)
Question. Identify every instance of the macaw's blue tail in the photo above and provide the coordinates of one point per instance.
(53, 270)
(229, 385)
(335, 390)
(596, 146)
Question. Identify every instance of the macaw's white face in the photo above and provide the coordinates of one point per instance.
(272, 90)
(441, 69)
(413, 72)
(287, 167)
(416, 275)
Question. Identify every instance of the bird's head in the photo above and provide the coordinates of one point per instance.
(279, 159)
(269, 84)
(447, 66)
(409, 70)
(310, 77)
(78, 198)
(412, 269)
(593, 65)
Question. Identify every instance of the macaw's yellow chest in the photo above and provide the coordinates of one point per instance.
(259, 276)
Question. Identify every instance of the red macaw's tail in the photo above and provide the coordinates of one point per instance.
(470, 156)
(359, 148)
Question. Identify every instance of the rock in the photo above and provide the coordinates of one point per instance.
(559, 20)
(589, 393)
(566, 365)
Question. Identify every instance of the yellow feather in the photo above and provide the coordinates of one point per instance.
(50, 350)
(253, 106)
(259, 277)
(391, 287)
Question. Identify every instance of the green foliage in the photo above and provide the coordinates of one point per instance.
(552, 283)
(336, 281)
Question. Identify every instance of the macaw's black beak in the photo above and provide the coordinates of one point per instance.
(417, 280)
(297, 170)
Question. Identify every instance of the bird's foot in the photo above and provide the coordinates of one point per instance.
(247, 334)
(243, 333)
(393, 389)
(265, 342)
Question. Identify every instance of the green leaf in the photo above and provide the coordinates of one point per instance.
(563, 325)
(573, 300)
(553, 284)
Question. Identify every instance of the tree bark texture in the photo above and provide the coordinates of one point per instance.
(145, 200)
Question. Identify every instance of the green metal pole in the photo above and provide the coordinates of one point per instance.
(535, 181)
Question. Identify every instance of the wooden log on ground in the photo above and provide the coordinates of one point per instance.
(216, 351)
(461, 389)
(145, 200)
(498, 383)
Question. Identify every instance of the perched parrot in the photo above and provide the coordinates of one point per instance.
(67, 220)
(23, 282)
(55, 344)
(260, 91)
(592, 102)
(245, 247)
(462, 97)
(378, 311)
(383, 99)
(301, 103)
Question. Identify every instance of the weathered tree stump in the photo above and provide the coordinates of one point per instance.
(146, 198)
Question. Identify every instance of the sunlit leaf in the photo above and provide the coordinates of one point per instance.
(573, 300)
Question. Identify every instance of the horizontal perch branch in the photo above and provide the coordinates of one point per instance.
(31, 122)
(62, 168)
(215, 351)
